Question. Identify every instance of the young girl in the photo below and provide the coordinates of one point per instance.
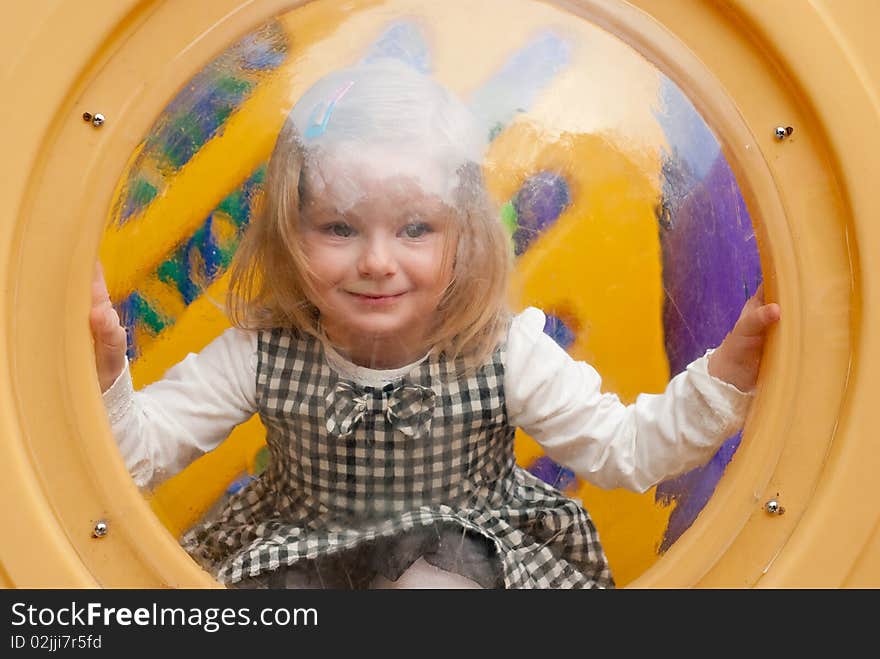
(371, 335)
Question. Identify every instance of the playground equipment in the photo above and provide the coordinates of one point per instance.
(783, 95)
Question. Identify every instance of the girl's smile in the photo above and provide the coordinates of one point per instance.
(377, 299)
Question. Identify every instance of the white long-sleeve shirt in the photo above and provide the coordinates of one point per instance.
(555, 399)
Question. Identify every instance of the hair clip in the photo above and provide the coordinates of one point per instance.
(316, 127)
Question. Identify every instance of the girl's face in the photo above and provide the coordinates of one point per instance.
(380, 254)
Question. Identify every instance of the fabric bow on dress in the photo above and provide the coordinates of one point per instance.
(408, 407)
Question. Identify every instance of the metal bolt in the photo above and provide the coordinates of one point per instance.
(773, 507)
(98, 120)
(782, 132)
(100, 529)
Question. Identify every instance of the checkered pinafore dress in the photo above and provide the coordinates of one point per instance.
(351, 465)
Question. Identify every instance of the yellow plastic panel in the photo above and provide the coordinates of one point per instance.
(807, 442)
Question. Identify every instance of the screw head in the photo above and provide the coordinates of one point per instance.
(773, 507)
(781, 132)
(98, 120)
(100, 529)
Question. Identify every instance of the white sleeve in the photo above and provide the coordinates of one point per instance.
(166, 425)
(559, 402)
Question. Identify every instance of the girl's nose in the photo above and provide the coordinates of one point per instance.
(377, 259)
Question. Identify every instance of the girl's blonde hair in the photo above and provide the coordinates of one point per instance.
(387, 103)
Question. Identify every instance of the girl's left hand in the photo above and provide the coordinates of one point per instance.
(738, 357)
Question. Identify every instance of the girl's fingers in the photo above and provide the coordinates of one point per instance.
(111, 340)
(104, 323)
(103, 318)
(99, 286)
(755, 321)
(756, 316)
(770, 313)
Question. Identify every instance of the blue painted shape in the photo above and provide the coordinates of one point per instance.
(551, 473)
(520, 80)
(212, 258)
(257, 53)
(691, 491)
(239, 483)
(135, 310)
(402, 41)
(543, 467)
(538, 203)
(556, 329)
(692, 142)
(198, 112)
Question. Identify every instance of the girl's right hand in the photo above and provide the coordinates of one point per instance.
(737, 359)
(107, 332)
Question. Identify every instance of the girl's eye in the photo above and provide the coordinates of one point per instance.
(416, 230)
(339, 229)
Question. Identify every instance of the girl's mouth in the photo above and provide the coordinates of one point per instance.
(376, 299)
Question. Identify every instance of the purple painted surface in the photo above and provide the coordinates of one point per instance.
(711, 266)
(538, 203)
(556, 329)
(551, 473)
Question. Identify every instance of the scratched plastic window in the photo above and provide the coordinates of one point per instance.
(629, 228)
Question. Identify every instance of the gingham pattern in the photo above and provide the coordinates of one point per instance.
(343, 472)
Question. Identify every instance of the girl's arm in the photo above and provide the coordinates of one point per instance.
(559, 402)
(166, 425)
